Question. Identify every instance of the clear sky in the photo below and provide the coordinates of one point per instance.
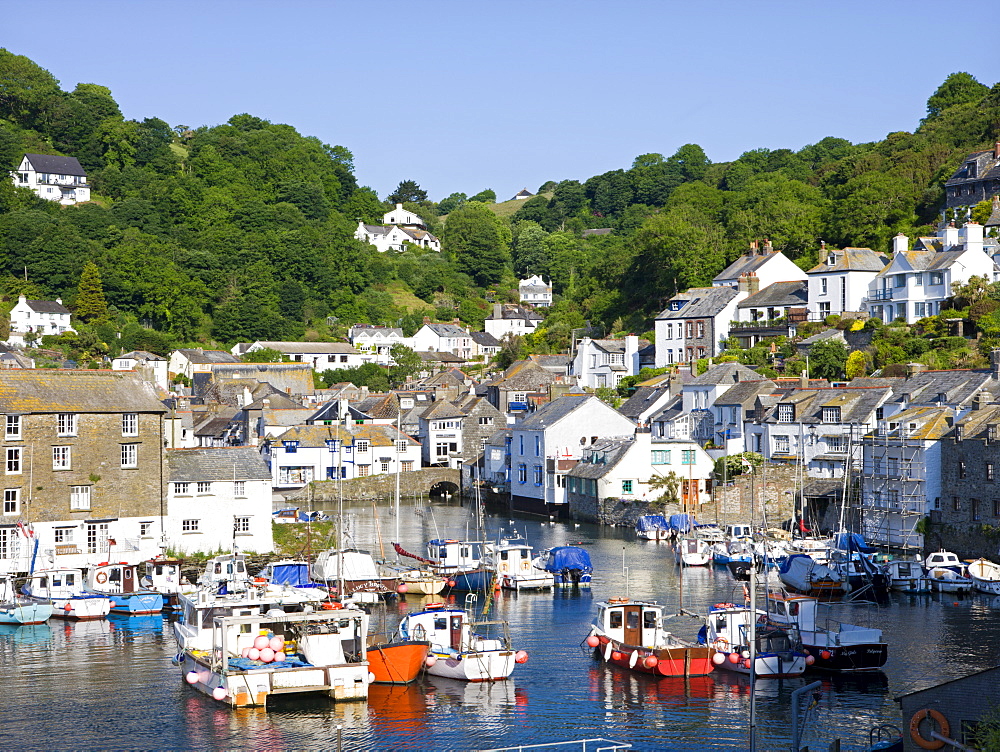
(467, 95)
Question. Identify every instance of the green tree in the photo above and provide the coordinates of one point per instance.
(263, 355)
(857, 365)
(90, 302)
(488, 196)
(405, 363)
(479, 243)
(450, 203)
(958, 88)
(407, 190)
(827, 360)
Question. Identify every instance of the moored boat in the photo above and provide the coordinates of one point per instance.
(630, 634)
(63, 590)
(395, 661)
(120, 583)
(907, 576)
(727, 630)
(240, 649)
(985, 576)
(834, 645)
(511, 559)
(458, 649)
(692, 551)
(947, 580)
(805, 575)
(652, 527)
(163, 575)
(569, 565)
(420, 582)
(20, 611)
(354, 570)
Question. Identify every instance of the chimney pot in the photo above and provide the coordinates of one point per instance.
(804, 379)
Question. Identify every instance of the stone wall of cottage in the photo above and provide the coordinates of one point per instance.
(730, 504)
(95, 461)
(475, 433)
(967, 522)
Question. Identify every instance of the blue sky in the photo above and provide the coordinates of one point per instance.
(462, 96)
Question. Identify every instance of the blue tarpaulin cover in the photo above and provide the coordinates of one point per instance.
(245, 664)
(568, 557)
(651, 522)
(681, 522)
(852, 542)
(296, 575)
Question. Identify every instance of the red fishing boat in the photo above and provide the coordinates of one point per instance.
(396, 662)
(630, 634)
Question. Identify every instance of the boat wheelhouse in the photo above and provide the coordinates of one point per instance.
(461, 647)
(163, 575)
(630, 634)
(120, 583)
(63, 589)
(907, 576)
(835, 645)
(777, 653)
(17, 610)
(511, 561)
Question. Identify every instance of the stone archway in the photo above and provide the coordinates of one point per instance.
(444, 488)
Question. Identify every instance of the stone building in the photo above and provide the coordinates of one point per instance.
(962, 703)
(83, 467)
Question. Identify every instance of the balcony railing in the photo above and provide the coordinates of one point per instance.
(781, 323)
(881, 294)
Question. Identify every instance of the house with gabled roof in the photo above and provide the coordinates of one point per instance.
(446, 338)
(549, 442)
(774, 311)
(763, 263)
(507, 318)
(839, 283)
(535, 291)
(33, 319)
(440, 434)
(605, 362)
(694, 323)
(401, 217)
(511, 392)
(189, 361)
(151, 367)
(918, 283)
(217, 498)
(977, 179)
(321, 356)
(522, 195)
(392, 237)
(53, 178)
(486, 345)
(375, 342)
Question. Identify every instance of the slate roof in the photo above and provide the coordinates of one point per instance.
(526, 375)
(925, 261)
(957, 386)
(554, 411)
(699, 302)
(745, 393)
(857, 405)
(46, 306)
(793, 293)
(440, 410)
(511, 311)
(195, 355)
(141, 355)
(447, 330)
(304, 348)
(316, 436)
(554, 363)
(748, 262)
(215, 424)
(976, 423)
(928, 424)
(726, 373)
(500, 438)
(440, 356)
(994, 220)
(641, 400)
(216, 464)
(987, 168)
(367, 329)
(834, 334)
(670, 411)
(851, 260)
(485, 339)
(56, 165)
(60, 391)
(378, 406)
(613, 450)
(276, 401)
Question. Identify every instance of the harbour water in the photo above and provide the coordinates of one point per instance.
(110, 684)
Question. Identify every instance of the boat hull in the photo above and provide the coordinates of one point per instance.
(397, 662)
(539, 581)
(477, 579)
(693, 660)
(488, 665)
(80, 609)
(135, 604)
(26, 613)
(429, 585)
(848, 658)
(766, 666)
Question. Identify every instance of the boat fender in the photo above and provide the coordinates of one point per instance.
(633, 659)
(918, 738)
(607, 652)
(101, 578)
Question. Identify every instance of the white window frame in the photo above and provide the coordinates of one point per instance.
(79, 498)
(182, 488)
(12, 428)
(786, 412)
(241, 525)
(361, 446)
(13, 466)
(130, 424)
(11, 502)
(62, 458)
(130, 455)
(239, 488)
(66, 424)
(204, 487)
(190, 526)
(782, 445)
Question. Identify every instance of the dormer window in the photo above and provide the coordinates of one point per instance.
(786, 413)
(831, 415)
(831, 260)
(970, 170)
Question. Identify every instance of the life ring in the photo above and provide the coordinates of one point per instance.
(617, 600)
(418, 632)
(721, 644)
(918, 739)
(525, 565)
(101, 578)
(332, 605)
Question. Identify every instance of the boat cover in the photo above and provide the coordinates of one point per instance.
(852, 542)
(786, 565)
(651, 522)
(682, 523)
(568, 557)
(296, 575)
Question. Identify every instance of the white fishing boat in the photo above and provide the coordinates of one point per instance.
(946, 573)
(776, 653)
(907, 576)
(460, 647)
(985, 576)
(652, 527)
(241, 648)
(511, 559)
(64, 590)
(569, 565)
(17, 610)
(945, 559)
(692, 551)
(163, 575)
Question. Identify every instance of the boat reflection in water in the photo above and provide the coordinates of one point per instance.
(486, 697)
(397, 707)
(147, 624)
(25, 634)
(687, 700)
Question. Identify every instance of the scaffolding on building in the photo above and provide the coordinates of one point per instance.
(893, 494)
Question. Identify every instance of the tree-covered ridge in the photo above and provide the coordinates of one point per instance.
(244, 230)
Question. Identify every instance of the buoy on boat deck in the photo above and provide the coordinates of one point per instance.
(279, 657)
(401, 588)
(734, 657)
(191, 677)
(430, 660)
(718, 659)
(593, 641)
(267, 655)
(219, 693)
(745, 653)
(276, 644)
(253, 654)
(521, 656)
(261, 642)
(650, 661)
(826, 655)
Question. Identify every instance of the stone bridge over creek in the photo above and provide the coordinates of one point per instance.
(413, 483)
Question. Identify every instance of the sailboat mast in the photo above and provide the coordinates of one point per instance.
(396, 442)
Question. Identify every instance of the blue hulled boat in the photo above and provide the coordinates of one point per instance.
(120, 583)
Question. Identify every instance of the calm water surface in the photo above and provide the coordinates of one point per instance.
(110, 684)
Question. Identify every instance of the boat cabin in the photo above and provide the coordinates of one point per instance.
(731, 623)
(163, 576)
(791, 611)
(944, 559)
(55, 583)
(638, 623)
(511, 557)
(228, 571)
(449, 630)
(739, 531)
(114, 578)
(452, 556)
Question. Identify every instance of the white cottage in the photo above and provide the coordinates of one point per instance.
(151, 367)
(839, 283)
(53, 178)
(535, 291)
(33, 319)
